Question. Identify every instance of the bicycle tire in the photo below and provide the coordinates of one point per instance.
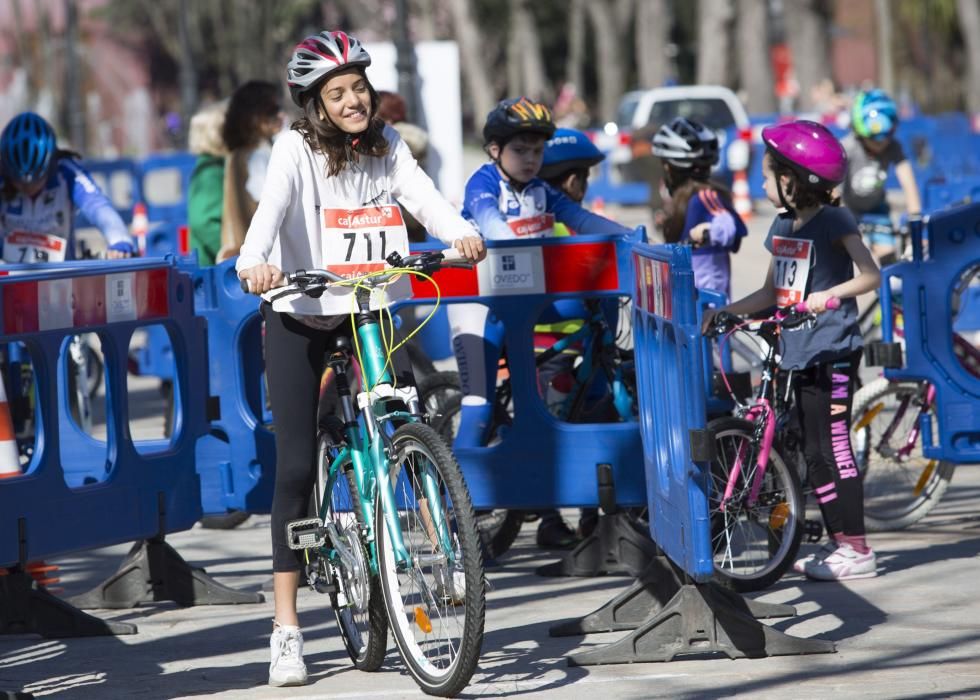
(366, 640)
(897, 493)
(498, 527)
(766, 537)
(419, 448)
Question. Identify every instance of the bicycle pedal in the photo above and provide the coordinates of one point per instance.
(813, 531)
(306, 533)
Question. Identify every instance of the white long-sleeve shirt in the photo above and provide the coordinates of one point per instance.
(285, 231)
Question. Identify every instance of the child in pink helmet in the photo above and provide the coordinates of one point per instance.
(815, 247)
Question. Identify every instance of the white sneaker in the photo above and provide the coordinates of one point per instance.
(828, 547)
(287, 667)
(844, 564)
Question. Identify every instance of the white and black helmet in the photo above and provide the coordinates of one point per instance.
(319, 55)
(686, 144)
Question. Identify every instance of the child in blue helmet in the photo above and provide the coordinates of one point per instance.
(42, 186)
(871, 150)
(700, 212)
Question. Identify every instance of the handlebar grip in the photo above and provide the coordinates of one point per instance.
(245, 285)
(833, 303)
(451, 255)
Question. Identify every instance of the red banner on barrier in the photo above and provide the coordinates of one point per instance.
(553, 269)
(76, 302)
(653, 293)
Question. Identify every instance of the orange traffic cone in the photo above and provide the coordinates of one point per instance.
(9, 454)
(740, 195)
(599, 206)
(139, 227)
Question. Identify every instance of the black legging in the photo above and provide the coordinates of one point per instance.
(824, 394)
(295, 357)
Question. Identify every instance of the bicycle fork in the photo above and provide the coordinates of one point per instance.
(768, 433)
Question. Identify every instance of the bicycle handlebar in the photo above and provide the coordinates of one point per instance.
(307, 281)
(787, 316)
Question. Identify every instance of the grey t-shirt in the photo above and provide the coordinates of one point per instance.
(813, 259)
(864, 188)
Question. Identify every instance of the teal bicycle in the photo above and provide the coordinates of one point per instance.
(393, 538)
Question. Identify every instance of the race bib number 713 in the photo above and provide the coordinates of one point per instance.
(791, 269)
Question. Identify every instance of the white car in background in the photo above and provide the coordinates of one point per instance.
(714, 106)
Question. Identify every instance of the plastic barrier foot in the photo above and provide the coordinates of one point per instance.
(154, 571)
(617, 546)
(14, 695)
(648, 595)
(26, 608)
(701, 619)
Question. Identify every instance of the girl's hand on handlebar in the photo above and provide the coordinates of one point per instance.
(818, 302)
(262, 277)
(471, 247)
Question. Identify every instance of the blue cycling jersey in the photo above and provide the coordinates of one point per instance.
(36, 227)
(501, 212)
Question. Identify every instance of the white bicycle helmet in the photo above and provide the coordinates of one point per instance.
(319, 55)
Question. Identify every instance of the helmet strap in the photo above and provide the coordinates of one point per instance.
(782, 196)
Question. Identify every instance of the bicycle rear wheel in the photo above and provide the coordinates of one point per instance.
(356, 595)
(753, 545)
(436, 604)
(898, 490)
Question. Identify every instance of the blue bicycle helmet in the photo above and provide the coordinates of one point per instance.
(874, 115)
(27, 148)
(567, 150)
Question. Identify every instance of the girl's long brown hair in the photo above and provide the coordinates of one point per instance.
(677, 208)
(337, 145)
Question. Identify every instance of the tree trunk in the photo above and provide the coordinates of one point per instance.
(188, 70)
(807, 31)
(969, 15)
(575, 60)
(609, 58)
(754, 66)
(526, 74)
(652, 35)
(714, 42)
(886, 68)
(24, 58)
(475, 71)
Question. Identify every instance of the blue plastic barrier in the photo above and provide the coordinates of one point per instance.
(165, 181)
(927, 286)
(670, 373)
(121, 182)
(141, 488)
(940, 194)
(236, 459)
(541, 461)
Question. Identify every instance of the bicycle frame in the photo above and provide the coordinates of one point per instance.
(369, 438)
(595, 325)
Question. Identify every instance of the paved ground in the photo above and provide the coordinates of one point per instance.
(914, 632)
(911, 633)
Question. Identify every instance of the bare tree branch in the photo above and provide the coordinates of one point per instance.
(474, 69)
(609, 57)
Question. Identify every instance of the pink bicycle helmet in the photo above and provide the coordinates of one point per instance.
(809, 150)
(319, 55)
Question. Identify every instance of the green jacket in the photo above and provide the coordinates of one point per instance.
(205, 198)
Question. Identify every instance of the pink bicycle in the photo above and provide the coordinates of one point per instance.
(757, 502)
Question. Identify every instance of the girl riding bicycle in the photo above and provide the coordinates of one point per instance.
(329, 201)
(815, 245)
(700, 212)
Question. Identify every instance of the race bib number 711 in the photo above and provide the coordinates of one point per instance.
(357, 241)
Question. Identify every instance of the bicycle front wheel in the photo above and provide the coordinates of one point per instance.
(435, 599)
(356, 595)
(900, 484)
(753, 541)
